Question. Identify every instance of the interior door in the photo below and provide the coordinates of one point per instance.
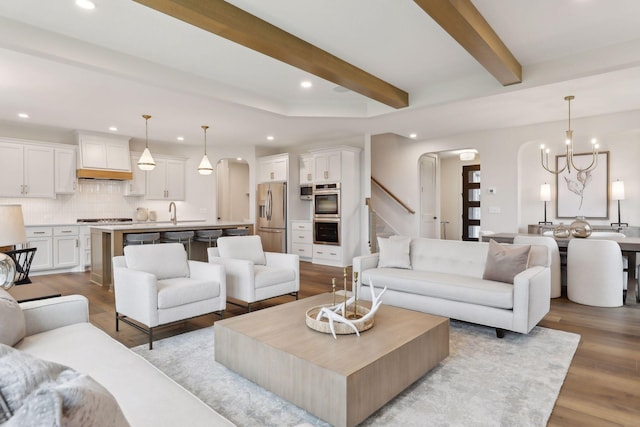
(429, 221)
(471, 202)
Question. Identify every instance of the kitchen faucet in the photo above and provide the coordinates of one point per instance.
(174, 215)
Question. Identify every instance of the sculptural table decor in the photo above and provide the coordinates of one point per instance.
(344, 317)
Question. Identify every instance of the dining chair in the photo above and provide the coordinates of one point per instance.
(594, 272)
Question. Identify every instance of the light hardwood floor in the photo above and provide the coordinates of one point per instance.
(602, 387)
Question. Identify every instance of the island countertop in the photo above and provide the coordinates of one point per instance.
(107, 241)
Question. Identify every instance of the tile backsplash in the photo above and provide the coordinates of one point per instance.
(92, 199)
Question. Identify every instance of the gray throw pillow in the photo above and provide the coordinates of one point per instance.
(35, 392)
(504, 262)
(12, 323)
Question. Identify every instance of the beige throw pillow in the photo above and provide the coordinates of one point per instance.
(504, 262)
(394, 252)
(12, 323)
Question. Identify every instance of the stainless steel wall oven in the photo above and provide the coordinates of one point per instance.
(326, 231)
(326, 201)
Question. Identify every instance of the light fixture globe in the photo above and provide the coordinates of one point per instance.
(146, 162)
(205, 167)
(7, 271)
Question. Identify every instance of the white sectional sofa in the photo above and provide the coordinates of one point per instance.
(58, 330)
(445, 278)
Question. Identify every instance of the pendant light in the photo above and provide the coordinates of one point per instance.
(205, 167)
(146, 162)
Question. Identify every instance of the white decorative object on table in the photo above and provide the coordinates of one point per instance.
(315, 315)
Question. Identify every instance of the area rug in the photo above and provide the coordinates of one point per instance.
(485, 381)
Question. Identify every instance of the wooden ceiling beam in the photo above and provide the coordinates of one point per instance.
(465, 24)
(228, 21)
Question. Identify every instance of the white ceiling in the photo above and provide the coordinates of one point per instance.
(75, 69)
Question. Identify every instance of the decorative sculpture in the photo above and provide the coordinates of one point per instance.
(358, 319)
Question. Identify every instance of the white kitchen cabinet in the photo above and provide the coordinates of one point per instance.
(65, 247)
(42, 239)
(328, 255)
(306, 169)
(273, 168)
(26, 170)
(84, 233)
(302, 239)
(65, 170)
(57, 247)
(166, 180)
(327, 167)
(138, 185)
(102, 152)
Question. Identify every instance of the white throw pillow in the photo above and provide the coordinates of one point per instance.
(248, 248)
(394, 252)
(37, 392)
(12, 323)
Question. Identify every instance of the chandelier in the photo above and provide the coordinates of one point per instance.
(544, 153)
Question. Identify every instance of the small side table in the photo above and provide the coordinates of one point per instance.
(32, 292)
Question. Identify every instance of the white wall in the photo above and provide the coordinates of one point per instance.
(510, 162)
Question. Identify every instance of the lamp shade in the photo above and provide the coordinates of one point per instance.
(545, 192)
(205, 167)
(11, 225)
(146, 162)
(617, 190)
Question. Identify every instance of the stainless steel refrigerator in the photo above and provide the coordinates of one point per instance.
(272, 216)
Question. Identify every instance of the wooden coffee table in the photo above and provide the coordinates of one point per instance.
(343, 380)
(32, 292)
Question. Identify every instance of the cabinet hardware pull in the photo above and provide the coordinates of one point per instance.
(38, 232)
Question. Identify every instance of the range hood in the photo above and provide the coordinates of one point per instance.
(103, 174)
(103, 157)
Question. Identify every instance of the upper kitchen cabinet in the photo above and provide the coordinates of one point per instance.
(137, 186)
(65, 170)
(166, 180)
(306, 169)
(103, 156)
(273, 168)
(327, 166)
(26, 170)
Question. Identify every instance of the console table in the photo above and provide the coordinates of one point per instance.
(628, 245)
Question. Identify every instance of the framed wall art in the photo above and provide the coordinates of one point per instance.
(583, 193)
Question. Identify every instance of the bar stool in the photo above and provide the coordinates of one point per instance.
(184, 237)
(141, 238)
(208, 236)
(236, 232)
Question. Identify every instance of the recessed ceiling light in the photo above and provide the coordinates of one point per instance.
(85, 4)
(413, 135)
(23, 115)
(113, 128)
(306, 84)
(239, 159)
(180, 138)
(270, 138)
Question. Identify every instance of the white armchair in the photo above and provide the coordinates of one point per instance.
(252, 274)
(156, 285)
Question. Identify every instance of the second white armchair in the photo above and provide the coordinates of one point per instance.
(252, 274)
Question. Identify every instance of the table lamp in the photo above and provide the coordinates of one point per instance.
(617, 193)
(11, 233)
(545, 196)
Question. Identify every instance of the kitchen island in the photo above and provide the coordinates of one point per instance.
(107, 241)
